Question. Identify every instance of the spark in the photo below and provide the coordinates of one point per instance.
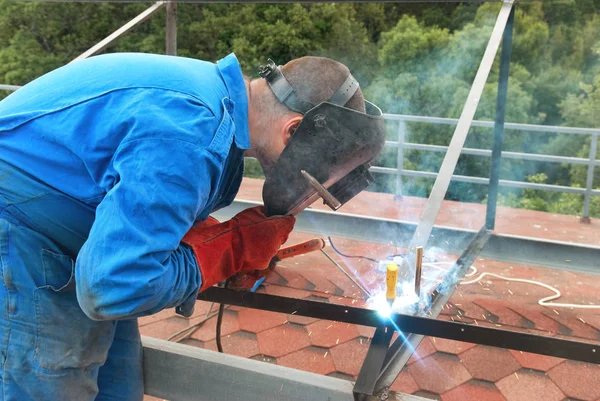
(517, 376)
(294, 312)
(326, 352)
(555, 311)
(337, 341)
(484, 318)
(460, 294)
(581, 320)
(328, 327)
(511, 293)
(309, 333)
(476, 324)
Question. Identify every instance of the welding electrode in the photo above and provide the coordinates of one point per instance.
(418, 270)
(302, 248)
(391, 278)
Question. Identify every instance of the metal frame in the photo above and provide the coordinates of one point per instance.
(383, 363)
(520, 341)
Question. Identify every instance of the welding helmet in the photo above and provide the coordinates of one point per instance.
(329, 153)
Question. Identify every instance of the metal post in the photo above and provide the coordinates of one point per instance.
(171, 35)
(590, 180)
(400, 159)
(490, 217)
(440, 187)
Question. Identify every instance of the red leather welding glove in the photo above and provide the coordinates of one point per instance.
(245, 280)
(247, 242)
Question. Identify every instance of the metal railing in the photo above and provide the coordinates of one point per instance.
(401, 144)
(591, 162)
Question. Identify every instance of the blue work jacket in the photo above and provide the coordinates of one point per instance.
(105, 164)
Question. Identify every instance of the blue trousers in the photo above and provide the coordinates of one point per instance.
(49, 349)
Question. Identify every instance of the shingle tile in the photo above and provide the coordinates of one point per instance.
(404, 383)
(207, 331)
(439, 373)
(489, 363)
(542, 363)
(424, 349)
(451, 346)
(328, 334)
(256, 320)
(240, 343)
(577, 379)
(282, 340)
(529, 385)
(311, 359)
(474, 390)
(348, 357)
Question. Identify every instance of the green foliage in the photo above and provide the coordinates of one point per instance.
(410, 59)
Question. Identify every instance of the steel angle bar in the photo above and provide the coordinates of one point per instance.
(495, 337)
(10, 87)
(373, 363)
(440, 187)
(501, 247)
(110, 39)
(402, 348)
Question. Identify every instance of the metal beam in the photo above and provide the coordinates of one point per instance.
(110, 39)
(171, 34)
(440, 187)
(184, 373)
(501, 247)
(490, 215)
(519, 341)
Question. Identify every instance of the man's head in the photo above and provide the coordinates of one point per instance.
(272, 124)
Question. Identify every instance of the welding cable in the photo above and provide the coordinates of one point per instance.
(350, 256)
(544, 301)
(220, 320)
(219, 324)
(185, 333)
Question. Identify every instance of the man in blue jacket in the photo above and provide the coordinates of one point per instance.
(105, 166)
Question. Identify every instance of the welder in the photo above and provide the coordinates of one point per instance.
(109, 169)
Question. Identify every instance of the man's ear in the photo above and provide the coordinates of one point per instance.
(290, 127)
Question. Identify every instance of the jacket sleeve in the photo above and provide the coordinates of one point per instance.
(132, 263)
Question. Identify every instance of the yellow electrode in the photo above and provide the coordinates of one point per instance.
(391, 278)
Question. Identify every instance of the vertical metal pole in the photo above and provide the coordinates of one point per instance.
(400, 160)
(490, 217)
(590, 180)
(171, 36)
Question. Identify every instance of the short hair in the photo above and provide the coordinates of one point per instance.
(315, 80)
